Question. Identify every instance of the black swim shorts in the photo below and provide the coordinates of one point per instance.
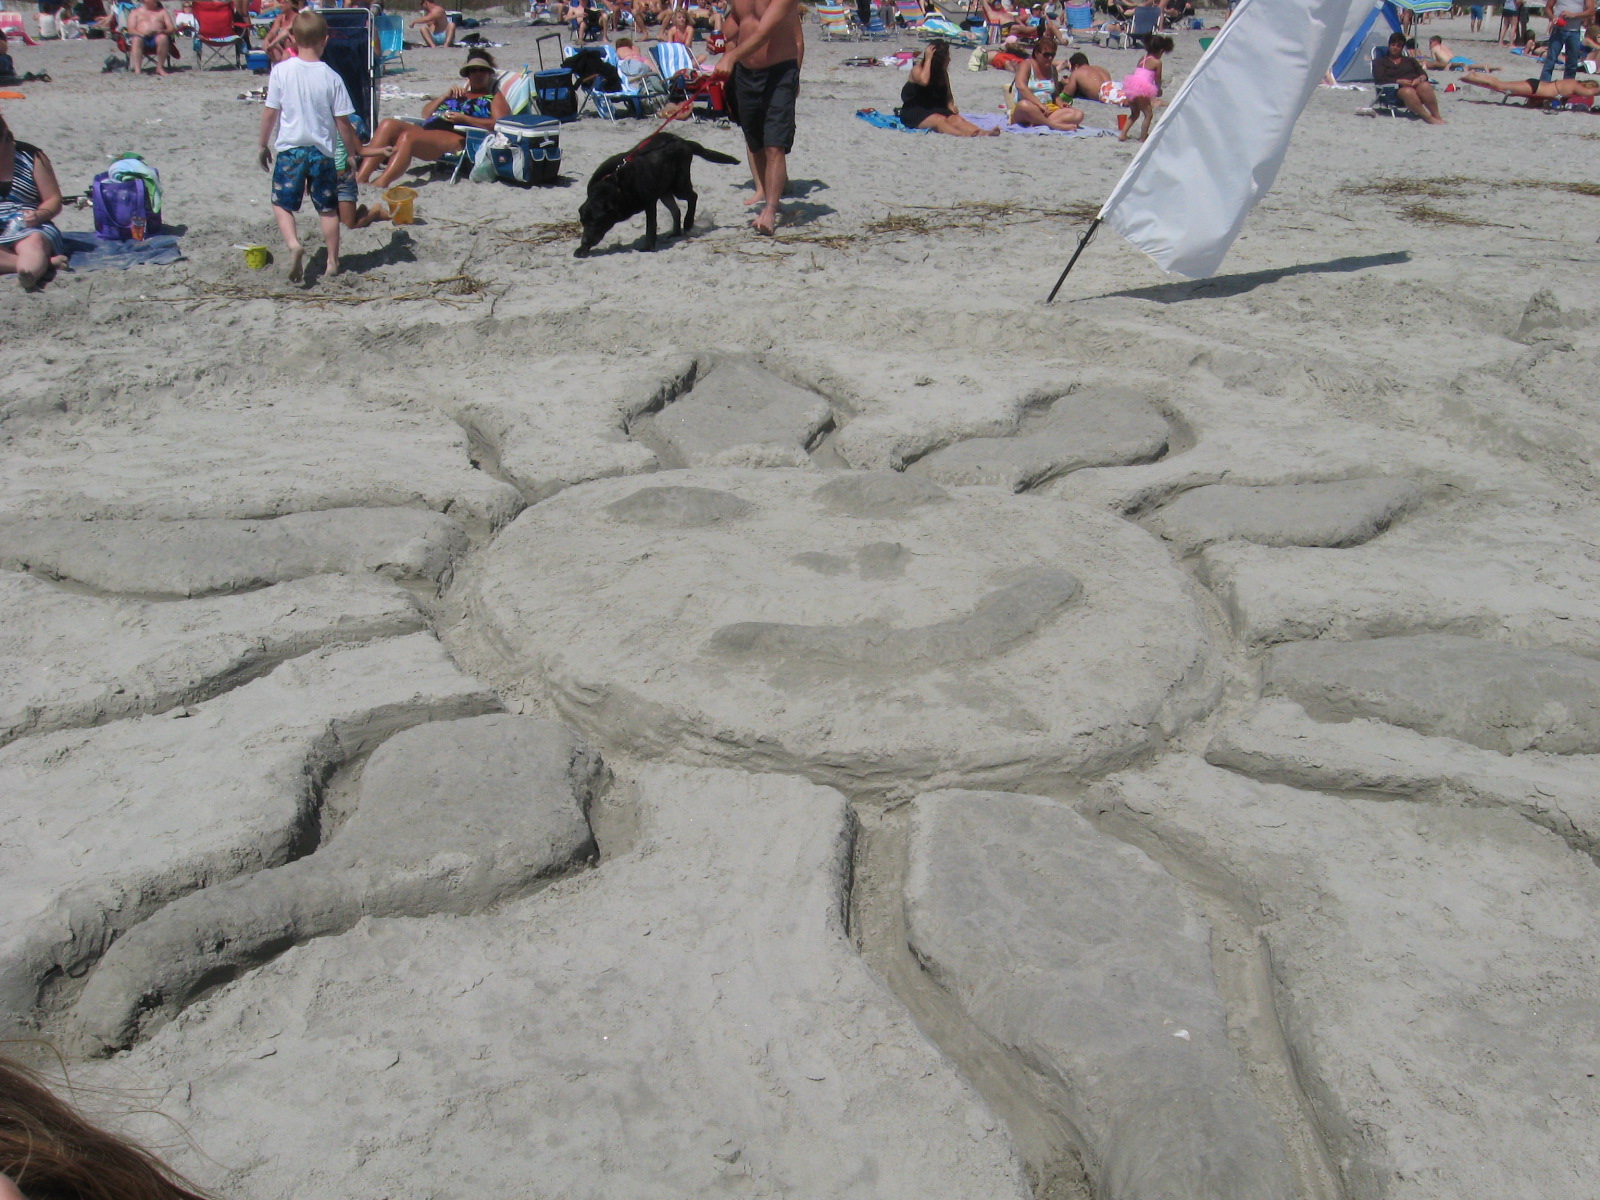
(761, 102)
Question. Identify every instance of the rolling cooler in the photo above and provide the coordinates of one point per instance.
(555, 91)
(534, 153)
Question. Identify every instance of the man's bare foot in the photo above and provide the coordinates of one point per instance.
(297, 265)
(160, 74)
(756, 202)
(333, 267)
(765, 224)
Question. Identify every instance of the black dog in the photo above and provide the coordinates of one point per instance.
(629, 184)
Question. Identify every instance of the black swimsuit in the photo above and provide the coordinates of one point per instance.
(919, 101)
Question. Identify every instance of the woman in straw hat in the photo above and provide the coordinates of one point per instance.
(478, 103)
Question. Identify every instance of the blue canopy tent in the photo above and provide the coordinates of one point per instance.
(1354, 62)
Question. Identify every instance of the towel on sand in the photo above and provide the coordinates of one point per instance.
(996, 121)
(881, 120)
(85, 252)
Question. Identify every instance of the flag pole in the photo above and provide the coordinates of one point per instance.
(1084, 241)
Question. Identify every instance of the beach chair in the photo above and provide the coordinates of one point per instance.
(672, 59)
(216, 34)
(11, 25)
(875, 30)
(910, 13)
(838, 24)
(391, 41)
(592, 96)
(1145, 20)
(1078, 21)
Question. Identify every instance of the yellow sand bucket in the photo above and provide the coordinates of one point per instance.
(400, 200)
(256, 257)
(1205, 44)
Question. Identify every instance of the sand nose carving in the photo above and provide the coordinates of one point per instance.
(678, 507)
(1000, 620)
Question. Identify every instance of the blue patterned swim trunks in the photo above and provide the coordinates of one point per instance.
(302, 169)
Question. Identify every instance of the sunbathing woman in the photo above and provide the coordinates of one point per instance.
(1038, 87)
(1535, 92)
(926, 101)
(48, 1149)
(479, 103)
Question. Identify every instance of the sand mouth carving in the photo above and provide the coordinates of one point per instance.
(677, 507)
(998, 622)
(870, 494)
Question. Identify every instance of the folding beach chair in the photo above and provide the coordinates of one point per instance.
(875, 30)
(1078, 20)
(351, 52)
(910, 13)
(391, 41)
(1145, 19)
(216, 34)
(11, 25)
(673, 58)
(838, 23)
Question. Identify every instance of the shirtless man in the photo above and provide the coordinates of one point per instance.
(1085, 79)
(435, 25)
(151, 31)
(1533, 90)
(762, 67)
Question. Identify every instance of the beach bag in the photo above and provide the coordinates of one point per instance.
(117, 203)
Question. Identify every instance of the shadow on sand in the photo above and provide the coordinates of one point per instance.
(1238, 285)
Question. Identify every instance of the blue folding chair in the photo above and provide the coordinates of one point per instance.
(391, 41)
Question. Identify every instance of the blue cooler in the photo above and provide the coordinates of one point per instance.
(256, 60)
(556, 94)
(534, 155)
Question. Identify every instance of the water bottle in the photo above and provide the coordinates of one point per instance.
(15, 224)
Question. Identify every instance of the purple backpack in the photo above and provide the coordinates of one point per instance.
(117, 203)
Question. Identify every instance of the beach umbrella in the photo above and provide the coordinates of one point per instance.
(1217, 149)
(1422, 6)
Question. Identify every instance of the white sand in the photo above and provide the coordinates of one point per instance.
(1401, 924)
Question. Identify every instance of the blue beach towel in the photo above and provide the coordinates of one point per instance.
(880, 120)
(85, 252)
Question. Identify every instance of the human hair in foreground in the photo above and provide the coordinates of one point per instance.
(52, 1152)
(309, 29)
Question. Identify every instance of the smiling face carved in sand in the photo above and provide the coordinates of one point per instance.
(863, 629)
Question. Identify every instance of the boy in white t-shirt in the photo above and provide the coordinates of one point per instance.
(310, 108)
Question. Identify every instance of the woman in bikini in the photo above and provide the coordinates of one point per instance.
(1038, 88)
(279, 42)
(926, 101)
(1532, 90)
(30, 246)
(479, 103)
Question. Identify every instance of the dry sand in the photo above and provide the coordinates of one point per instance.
(815, 527)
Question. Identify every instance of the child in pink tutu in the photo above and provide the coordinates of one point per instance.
(1141, 88)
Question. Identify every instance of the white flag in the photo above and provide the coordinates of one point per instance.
(1218, 147)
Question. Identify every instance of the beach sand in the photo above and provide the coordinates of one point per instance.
(993, 787)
